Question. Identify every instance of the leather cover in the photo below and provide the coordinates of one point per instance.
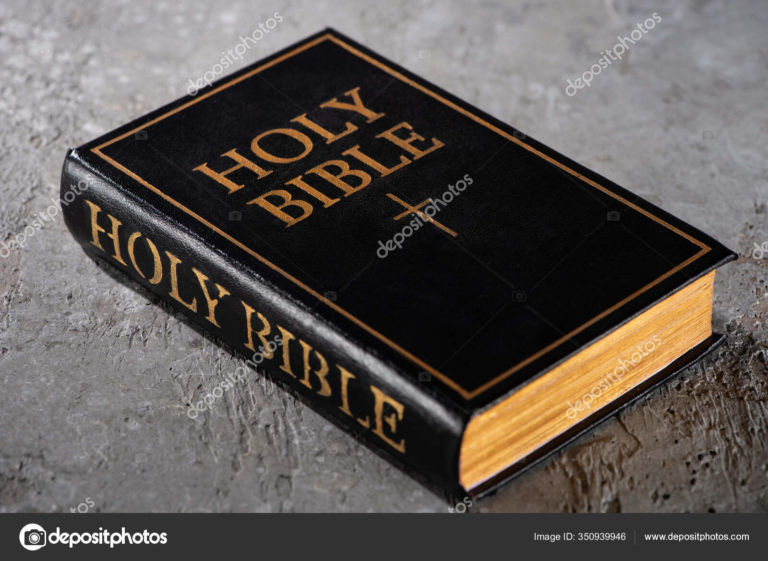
(412, 259)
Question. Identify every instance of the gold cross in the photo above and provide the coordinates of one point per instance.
(416, 210)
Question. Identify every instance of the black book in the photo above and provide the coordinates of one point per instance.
(452, 292)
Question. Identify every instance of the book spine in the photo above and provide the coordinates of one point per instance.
(345, 382)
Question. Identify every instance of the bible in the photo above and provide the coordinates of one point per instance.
(455, 294)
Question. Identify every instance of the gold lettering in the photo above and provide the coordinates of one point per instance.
(304, 186)
(157, 271)
(346, 376)
(96, 230)
(325, 133)
(321, 373)
(368, 161)
(336, 180)
(407, 143)
(265, 330)
(287, 337)
(212, 302)
(242, 162)
(175, 283)
(277, 210)
(382, 399)
(356, 105)
(305, 141)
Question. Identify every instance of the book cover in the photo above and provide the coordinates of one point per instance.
(399, 259)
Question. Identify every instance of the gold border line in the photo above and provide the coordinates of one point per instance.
(466, 394)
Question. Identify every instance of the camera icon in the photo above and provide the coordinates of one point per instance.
(32, 537)
(331, 295)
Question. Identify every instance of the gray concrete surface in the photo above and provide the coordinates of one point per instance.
(93, 376)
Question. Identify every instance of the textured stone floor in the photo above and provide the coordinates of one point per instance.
(93, 375)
